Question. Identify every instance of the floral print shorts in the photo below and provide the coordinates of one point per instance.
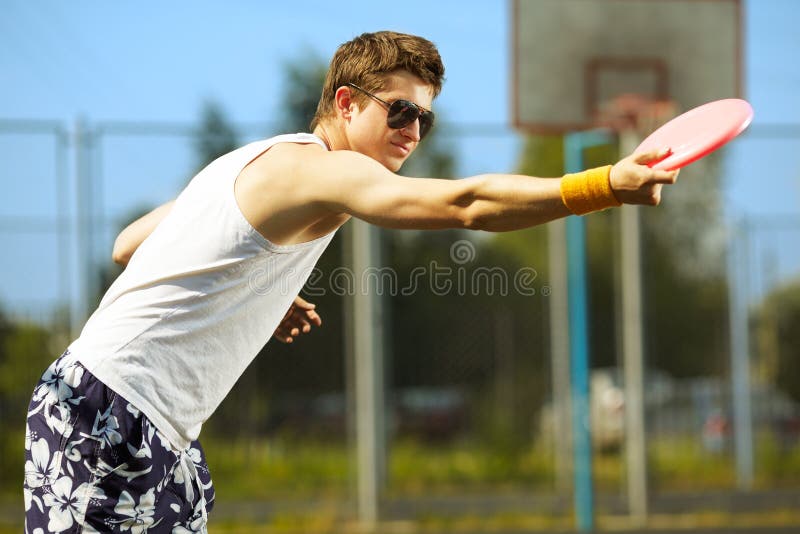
(95, 463)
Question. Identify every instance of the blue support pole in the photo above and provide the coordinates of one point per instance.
(574, 145)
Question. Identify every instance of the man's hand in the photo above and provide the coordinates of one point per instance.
(633, 182)
(298, 319)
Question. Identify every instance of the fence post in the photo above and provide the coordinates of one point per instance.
(738, 296)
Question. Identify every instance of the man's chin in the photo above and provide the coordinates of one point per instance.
(393, 164)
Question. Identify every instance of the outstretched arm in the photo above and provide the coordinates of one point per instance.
(135, 233)
(494, 202)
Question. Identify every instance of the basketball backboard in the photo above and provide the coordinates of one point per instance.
(573, 57)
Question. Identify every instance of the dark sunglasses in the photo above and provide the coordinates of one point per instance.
(403, 112)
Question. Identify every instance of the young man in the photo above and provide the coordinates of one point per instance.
(113, 424)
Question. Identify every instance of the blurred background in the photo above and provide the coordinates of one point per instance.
(108, 109)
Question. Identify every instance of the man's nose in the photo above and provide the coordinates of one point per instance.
(411, 131)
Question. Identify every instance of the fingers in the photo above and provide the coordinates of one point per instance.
(655, 195)
(298, 320)
(651, 156)
(282, 335)
(304, 319)
(314, 317)
(286, 334)
(665, 177)
(299, 323)
(302, 304)
(293, 327)
(307, 309)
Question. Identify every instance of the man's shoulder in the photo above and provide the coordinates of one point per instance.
(297, 148)
(286, 166)
(311, 166)
(287, 153)
(296, 140)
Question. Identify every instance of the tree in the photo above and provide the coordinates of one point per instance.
(684, 291)
(778, 338)
(683, 244)
(283, 380)
(284, 375)
(302, 86)
(216, 136)
(26, 349)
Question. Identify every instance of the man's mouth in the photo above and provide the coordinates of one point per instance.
(404, 149)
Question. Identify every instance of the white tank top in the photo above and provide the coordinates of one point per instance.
(198, 300)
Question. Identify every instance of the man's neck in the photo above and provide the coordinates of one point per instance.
(331, 136)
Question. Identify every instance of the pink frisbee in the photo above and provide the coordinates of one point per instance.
(698, 132)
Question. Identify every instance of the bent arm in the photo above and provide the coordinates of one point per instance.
(135, 233)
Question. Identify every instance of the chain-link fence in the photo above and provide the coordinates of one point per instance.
(470, 424)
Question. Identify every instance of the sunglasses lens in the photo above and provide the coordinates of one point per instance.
(403, 112)
(425, 123)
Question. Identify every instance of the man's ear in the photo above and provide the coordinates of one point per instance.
(343, 102)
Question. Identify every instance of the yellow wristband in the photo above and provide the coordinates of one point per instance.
(588, 191)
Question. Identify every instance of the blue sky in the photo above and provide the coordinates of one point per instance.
(159, 61)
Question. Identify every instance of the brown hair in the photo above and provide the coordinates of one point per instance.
(366, 59)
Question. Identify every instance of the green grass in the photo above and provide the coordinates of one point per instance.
(298, 468)
(415, 468)
(776, 465)
(322, 474)
(269, 469)
(681, 464)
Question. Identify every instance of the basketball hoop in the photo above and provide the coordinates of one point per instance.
(635, 114)
(682, 51)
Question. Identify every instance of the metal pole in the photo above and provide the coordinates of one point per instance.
(88, 168)
(740, 356)
(632, 349)
(80, 306)
(106, 233)
(63, 226)
(559, 353)
(368, 352)
(349, 328)
(579, 359)
(579, 347)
